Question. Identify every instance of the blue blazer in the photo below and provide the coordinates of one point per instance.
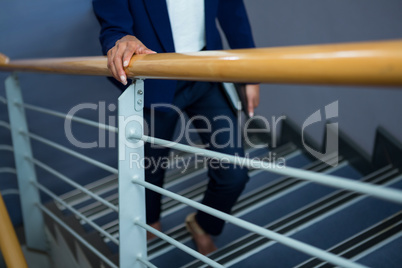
(148, 20)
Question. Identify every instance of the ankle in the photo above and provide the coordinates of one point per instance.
(156, 225)
(203, 241)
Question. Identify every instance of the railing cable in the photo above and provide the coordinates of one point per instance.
(74, 184)
(73, 118)
(10, 192)
(5, 124)
(4, 147)
(77, 236)
(73, 153)
(178, 245)
(325, 179)
(295, 244)
(146, 263)
(8, 170)
(76, 212)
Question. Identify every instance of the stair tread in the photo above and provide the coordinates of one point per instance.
(359, 243)
(256, 237)
(335, 228)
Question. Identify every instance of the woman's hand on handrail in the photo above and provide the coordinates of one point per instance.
(3, 59)
(118, 57)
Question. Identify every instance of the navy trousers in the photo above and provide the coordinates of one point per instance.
(210, 112)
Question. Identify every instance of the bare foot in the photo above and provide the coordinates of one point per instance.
(157, 225)
(203, 241)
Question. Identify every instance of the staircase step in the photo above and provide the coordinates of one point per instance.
(273, 193)
(385, 254)
(91, 238)
(252, 243)
(364, 242)
(335, 229)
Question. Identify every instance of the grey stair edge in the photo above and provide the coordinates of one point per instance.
(378, 246)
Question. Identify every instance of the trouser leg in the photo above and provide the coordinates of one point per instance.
(161, 125)
(226, 181)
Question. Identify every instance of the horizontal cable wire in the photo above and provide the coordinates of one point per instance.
(72, 118)
(325, 179)
(65, 116)
(5, 124)
(8, 170)
(5, 147)
(290, 242)
(73, 153)
(178, 244)
(77, 236)
(146, 263)
(76, 212)
(10, 192)
(74, 184)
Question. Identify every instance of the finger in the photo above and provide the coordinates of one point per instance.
(118, 63)
(128, 53)
(142, 49)
(256, 102)
(110, 56)
(148, 51)
(250, 106)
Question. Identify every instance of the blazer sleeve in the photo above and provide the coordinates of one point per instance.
(115, 20)
(232, 17)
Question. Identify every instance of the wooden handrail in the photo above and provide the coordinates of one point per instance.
(363, 63)
(9, 245)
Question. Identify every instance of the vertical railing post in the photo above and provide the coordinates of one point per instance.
(131, 196)
(33, 219)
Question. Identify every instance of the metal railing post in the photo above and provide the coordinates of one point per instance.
(131, 197)
(33, 219)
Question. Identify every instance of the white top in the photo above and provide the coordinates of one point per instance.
(187, 19)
